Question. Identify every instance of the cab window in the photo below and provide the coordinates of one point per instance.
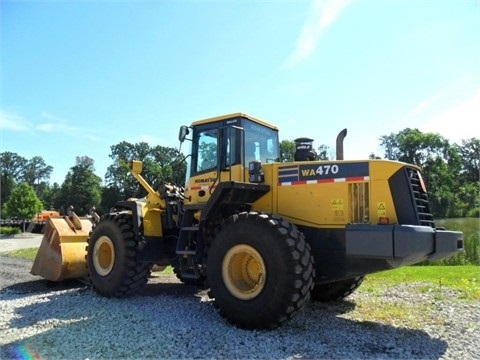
(207, 150)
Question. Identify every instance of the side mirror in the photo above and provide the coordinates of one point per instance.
(182, 134)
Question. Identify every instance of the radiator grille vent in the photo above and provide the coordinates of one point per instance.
(359, 195)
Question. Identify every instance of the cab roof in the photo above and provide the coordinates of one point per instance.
(232, 116)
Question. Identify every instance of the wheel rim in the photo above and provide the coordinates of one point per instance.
(244, 272)
(103, 255)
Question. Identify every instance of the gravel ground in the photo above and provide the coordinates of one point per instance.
(19, 241)
(169, 320)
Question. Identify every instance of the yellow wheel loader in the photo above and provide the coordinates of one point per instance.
(266, 236)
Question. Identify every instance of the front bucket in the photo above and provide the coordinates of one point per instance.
(62, 253)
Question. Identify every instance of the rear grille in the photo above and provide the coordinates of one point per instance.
(358, 195)
(420, 197)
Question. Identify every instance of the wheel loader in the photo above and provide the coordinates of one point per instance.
(263, 235)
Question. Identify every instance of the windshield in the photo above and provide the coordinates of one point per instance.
(222, 142)
(261, 143)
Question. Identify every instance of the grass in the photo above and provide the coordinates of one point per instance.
(465, 279)
(28, 254)
(451, 283)
(8, 230)
(396, 313)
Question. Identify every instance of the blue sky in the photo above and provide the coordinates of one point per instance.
(79, 77)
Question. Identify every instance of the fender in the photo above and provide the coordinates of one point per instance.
(150, 247)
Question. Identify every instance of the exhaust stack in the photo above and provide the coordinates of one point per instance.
(339, 147)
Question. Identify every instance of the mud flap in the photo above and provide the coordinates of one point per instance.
(62, 253)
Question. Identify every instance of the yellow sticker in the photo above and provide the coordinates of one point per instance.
(381, 209)
(337, 204)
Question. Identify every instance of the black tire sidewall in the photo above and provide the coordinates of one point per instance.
(107, 284)
(270, 244)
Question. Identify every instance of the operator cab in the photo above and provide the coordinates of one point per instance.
(235, 139)
(222, 149)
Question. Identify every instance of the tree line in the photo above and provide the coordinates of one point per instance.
(25, 192)
(451, 172)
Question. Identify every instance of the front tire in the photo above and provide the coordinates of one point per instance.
(111, 258)
(260, 270)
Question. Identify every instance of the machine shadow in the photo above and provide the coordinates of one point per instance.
(156, 285)
(39, 286)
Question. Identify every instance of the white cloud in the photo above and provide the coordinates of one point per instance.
(12, 121)
(455, 121)
(55, 127)
(55, 124)
(459, 121)
(323, 14)
(423, 106)
(47, 115)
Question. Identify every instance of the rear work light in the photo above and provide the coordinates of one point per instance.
(422, 183)
(383, 220)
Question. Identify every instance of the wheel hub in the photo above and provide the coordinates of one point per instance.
(103, 255)
(244, 272)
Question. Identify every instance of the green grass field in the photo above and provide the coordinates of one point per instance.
(24, 253)
(441, 283)
(465, 279)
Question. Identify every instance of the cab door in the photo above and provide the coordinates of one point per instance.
(217, 156)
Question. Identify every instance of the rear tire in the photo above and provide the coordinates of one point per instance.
(260, 270)
(111, 258)
(337, 290)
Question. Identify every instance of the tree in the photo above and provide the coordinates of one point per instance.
(414, 147)
(81, 189)
(470, 155)
(323, 152)
(172, 165)
(17, 169)
(160, 165)
(440, 162)
(12, 164)
(23, 203)
(287, 150)
(36, 171)
(118, 178)
(48, 193)
(12, 168)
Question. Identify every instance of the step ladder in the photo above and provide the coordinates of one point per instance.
(186, 248)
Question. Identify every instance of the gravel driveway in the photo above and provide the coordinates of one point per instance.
(20, 241)
(169, 320)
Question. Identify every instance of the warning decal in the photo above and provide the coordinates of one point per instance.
(381, 209)
(337, 204)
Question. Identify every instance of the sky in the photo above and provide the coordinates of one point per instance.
(78, 77)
